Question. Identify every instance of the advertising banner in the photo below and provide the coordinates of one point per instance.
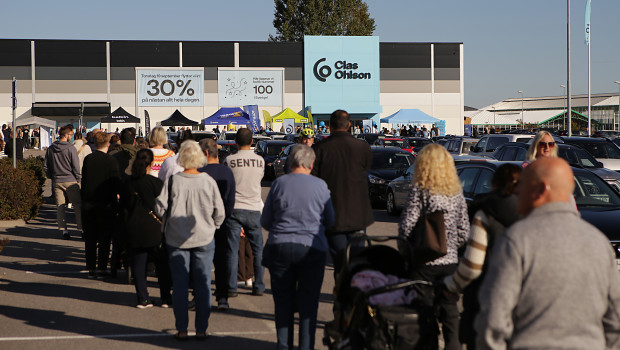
(289, 126)
(170, 87)
(342, 72)
(252, 111)
(250, 86)
(367, 126)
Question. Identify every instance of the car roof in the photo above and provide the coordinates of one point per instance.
(277, 142)
(584, 139)
(381, 149)
(392, 139)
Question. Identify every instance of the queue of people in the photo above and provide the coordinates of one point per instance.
(187, 212)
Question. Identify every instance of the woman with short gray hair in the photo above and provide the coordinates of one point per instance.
(191, 204)
(157, 139)
(297, 211)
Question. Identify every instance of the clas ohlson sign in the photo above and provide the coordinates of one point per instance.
(342, 72)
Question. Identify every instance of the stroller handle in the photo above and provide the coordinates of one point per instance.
(379, 239)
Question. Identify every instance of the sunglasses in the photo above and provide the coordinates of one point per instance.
(547, 144)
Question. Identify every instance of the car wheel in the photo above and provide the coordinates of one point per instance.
(390, 204)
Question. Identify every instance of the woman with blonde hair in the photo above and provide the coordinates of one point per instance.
(157, 139)
(437, 188)
(543, 145)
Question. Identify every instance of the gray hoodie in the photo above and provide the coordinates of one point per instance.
(62, 163)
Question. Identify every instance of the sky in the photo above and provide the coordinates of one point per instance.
(508, 45)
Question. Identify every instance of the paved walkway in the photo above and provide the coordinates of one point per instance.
(46, 301)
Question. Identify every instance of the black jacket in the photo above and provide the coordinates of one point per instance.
(343, 161)
(100, 182)
(148, 188)
(8, 148)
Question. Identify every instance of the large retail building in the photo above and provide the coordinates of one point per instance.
(60, 79)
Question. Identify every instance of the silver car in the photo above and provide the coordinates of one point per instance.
(398, 191)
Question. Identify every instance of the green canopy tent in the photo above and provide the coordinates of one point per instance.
(579, 120)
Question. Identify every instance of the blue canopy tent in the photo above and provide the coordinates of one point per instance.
(409, 116)
(228, 115)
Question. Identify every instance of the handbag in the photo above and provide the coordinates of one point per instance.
(428, 237)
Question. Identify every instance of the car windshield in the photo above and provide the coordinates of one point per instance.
(395, 143)
(590, 191)
(418, 143)
(578, 157)
(467, 145)
(388, 160)
(274, 150)
(601, 149)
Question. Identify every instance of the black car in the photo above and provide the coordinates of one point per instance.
(597, 202)
(226, 148)
(603, 150)
(417, 143)
(370, 138)
(269, 150)
(388, 163)
(574, 155)
(280, 162)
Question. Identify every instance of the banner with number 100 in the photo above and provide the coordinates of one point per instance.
(170, 87)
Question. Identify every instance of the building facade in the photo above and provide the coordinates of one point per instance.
(61, 79)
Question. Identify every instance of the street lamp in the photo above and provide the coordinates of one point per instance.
(565, 102)
(617, 82)
(522, 116)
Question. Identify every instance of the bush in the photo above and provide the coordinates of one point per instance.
(20, 189)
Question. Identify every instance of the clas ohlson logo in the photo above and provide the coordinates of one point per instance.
(343, 70)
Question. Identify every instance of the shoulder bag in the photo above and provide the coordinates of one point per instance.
(428, 238)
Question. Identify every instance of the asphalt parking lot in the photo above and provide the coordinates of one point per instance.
(47, 302)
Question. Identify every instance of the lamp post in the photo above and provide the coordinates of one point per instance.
(522, 116)
(617, 82)
(565, 102)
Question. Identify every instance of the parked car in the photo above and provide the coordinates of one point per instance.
(269, 150)
(371, 137)
(417, 143)
(606, 133)
(574, 155)
(460, 145)
(394, 142)
(279, 163)
(227, 148)
(388, 163)
(603, 150)
(199, 135)
(596, 201)
(274, 135)
(489, 143)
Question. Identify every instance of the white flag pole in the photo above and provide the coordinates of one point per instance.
(588, 42)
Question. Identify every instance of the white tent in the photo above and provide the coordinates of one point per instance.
(32, 120)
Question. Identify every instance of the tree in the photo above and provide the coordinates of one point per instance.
(295, 18)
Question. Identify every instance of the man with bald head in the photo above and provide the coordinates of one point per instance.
(552, 281)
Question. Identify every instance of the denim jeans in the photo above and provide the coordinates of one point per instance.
(250, 221)
(200, 260)
(338, 245)
(296, 278)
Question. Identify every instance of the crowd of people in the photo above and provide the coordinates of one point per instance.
(24, 139)
(522, 281)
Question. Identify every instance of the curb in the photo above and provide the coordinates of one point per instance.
(12, 223)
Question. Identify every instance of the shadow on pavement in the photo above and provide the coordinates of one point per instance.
(68, 291)
(60, 321)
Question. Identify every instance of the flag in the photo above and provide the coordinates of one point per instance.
(252, 111)
(587, 27)
(147, 122)
(367, 126)
(289, 126)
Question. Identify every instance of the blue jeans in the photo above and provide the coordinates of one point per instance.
(200, 260)
(250, 221)
(296, 278)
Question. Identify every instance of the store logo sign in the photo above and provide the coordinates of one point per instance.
(343, 70)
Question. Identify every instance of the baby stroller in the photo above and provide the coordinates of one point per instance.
(359, 323)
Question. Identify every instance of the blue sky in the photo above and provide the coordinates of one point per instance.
(508, 45)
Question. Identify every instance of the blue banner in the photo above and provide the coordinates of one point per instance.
(587, 21)
(252, 111)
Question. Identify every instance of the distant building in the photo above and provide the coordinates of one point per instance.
(549, 112)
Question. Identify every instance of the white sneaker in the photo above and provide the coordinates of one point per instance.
(248, 283)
